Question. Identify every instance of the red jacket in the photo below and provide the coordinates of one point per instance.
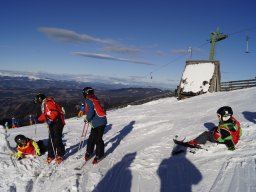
(29, 149)
(97, 106)
(232, 126)
(51, 111)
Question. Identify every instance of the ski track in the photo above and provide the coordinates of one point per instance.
(235, 174)
(38, 176)
(138, 154)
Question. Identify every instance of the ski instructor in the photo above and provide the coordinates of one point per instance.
(96, 116)
(53, 115)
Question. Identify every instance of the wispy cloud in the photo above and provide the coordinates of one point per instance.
(109, 57)
(65, 35)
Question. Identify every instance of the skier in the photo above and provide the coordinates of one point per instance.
(13, 122)
(81, 112)
(228, 131)
(26, 146)
(52, 114)
(96, 116)
(6, 125)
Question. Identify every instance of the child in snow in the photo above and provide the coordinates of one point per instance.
(54, 116)
(26, 146)
(96, 116)
(227, 132)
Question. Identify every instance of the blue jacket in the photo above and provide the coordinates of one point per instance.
(95, 114)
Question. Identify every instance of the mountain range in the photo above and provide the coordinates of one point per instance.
(17, 91)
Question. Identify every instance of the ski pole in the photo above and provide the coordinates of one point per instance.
(9, 154)
(51, 142)
(35, 126)
(83, 135)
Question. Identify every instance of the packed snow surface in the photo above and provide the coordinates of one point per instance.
(197, 77)
(138, 147)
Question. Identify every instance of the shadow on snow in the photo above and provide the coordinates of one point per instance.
(79, 146)
(178, 174)
(115, 141)
(118, 178)
(250, 116)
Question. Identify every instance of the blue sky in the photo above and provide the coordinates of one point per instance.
(134, 40)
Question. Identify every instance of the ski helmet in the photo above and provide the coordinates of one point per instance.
(39, 98)
(225, 113)
(87, 91)
(20, 140)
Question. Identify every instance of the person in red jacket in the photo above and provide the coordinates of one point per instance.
(53, 115)
(228, 131)
(26, 146)
(96, 116)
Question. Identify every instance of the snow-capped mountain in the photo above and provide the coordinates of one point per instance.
(11, 78)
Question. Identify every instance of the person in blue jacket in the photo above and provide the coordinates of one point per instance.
(96, 116)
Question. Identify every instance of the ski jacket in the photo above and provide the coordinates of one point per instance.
(95, 114)
(51, 111)
(232, 127)
(31, 148)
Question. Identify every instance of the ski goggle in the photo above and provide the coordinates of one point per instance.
(22, 143)
(224, 117)
(86, 91)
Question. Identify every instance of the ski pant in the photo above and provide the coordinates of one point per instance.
(55, 144)
(41, 146)
(95, 139)
(208, 136)
(205, 136)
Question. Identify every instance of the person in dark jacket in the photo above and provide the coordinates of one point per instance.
(54, 116)
(96, 117)
(228, 131)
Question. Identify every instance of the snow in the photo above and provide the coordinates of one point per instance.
(196, 77)
(138, 145)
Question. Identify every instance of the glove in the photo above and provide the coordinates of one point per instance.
(49, 122)
(85, 120)
(19, 156)
(38, 152)
(232, 148)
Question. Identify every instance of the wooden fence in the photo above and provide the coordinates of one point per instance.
(241, 84)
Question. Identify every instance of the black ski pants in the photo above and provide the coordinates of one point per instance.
(95, 139)
(55, 144)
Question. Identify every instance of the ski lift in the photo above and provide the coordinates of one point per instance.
(247, 44)
(151, 77)
(190, 52)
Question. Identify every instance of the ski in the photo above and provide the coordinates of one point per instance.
(185, 145)
(81, 166)
(95, 162)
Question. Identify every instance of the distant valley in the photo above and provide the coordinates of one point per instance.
(17, 93)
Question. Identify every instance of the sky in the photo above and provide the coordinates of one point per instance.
(138, 151)
(146, 41)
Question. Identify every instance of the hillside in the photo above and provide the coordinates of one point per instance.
(17, 93)
(138, 146)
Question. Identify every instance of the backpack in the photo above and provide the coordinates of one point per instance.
(59, 109)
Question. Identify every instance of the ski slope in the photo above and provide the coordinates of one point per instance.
(138, 146)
